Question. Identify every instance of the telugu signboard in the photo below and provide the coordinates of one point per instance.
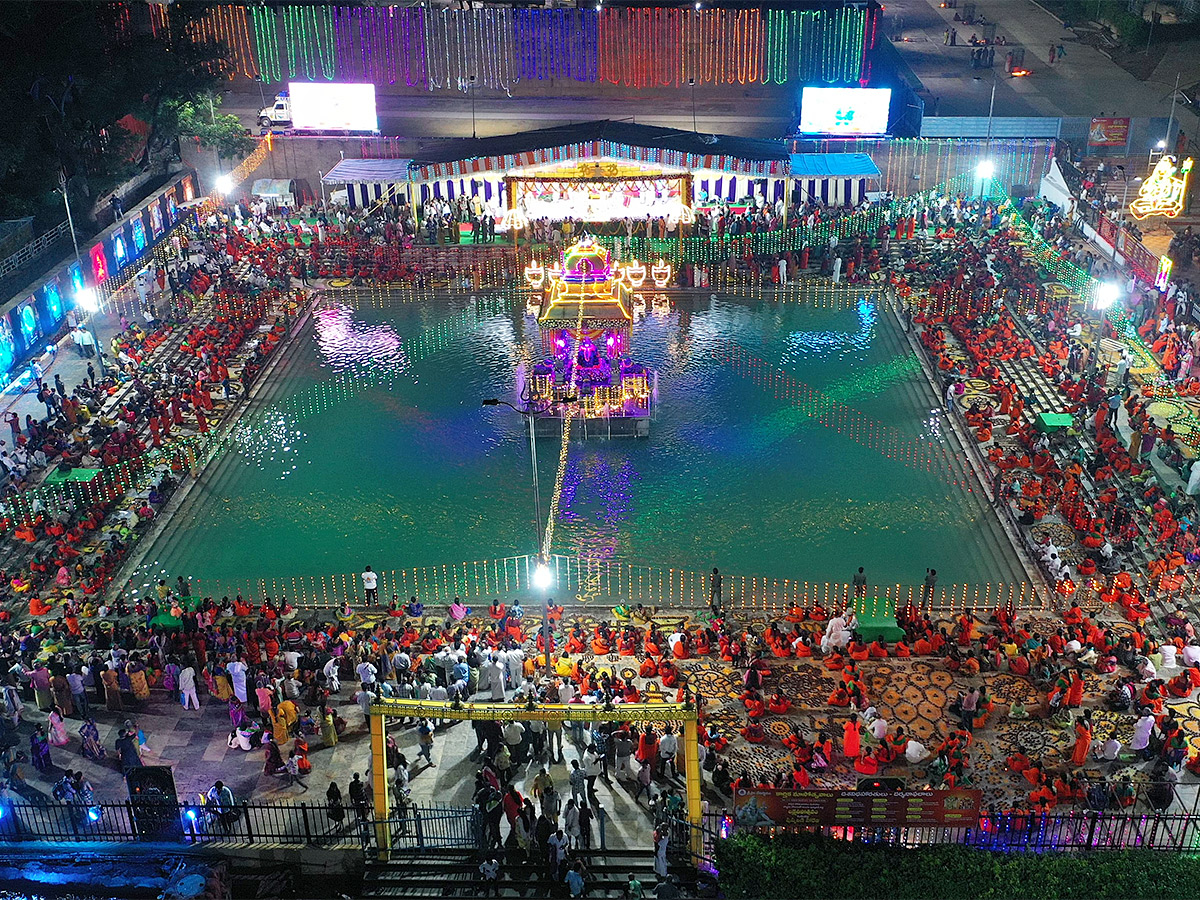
(766, 807)
(1108, 131)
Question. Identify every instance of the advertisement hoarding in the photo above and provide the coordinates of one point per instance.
(848, 111)
(1108, 131)
(333, 107)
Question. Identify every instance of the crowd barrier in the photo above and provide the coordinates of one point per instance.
(585, 580)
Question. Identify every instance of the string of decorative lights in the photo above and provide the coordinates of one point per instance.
(266, 43)
(228, 25)
(309, 35)
(464, 43)
(160, 20)
(635, 47)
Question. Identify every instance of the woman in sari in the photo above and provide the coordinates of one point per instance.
(136, 670)
(328, 727)
(272, 761)
(222, 689)
(39, 751)
(112, 690)
(62, 694)
(237, 713)
(56, 730)
(89, 736)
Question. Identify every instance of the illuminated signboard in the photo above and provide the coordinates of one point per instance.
(333, 107)
(848, 111)
(1163, 192)
(156, 222)
(139, 235)
(99, 264)
(53, 300)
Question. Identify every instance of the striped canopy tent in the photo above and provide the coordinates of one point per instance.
(371, 181)
(838, 179)
(714, 166)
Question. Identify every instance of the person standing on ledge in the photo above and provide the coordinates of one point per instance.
(860, 583)
(714, 592)
(929, 585)
(370, 585)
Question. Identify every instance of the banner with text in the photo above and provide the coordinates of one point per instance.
(780, 807)
(1107, 131)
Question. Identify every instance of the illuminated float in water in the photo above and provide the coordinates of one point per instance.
(584, 308)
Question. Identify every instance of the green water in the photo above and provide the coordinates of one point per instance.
(369, 446)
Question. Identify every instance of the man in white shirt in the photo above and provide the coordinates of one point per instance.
(566, 691)
(1191, 654)
(330, 671)
(237, 675)
(879, 727)
(668, 746)
(187, 687)
(370, 585)
(366, 673)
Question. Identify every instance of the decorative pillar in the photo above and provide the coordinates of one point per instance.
(691, 765)
(379, 783)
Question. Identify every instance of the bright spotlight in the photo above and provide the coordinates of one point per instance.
(1161, 145)
(1107, 293)
(986, 169)
(224, 184)
(542, 577)
(86, 299)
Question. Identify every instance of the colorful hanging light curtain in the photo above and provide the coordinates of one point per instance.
(311, 41)
(470, 42)
(815, 46)
(556, 43)
(266, 43)
(228, 26)
(634, 47)
(669, 47)
(381, 44)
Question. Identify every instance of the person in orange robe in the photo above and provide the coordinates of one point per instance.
(852, 738)
(1083, 740)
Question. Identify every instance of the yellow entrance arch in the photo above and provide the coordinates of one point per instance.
(542, 712)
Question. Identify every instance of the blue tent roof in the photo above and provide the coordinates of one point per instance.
(833, 165)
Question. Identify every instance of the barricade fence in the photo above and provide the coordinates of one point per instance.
(584, 579)
(243, 823)
(1077, 830)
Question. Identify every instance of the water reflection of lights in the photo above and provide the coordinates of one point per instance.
(842, 343)
(928, 451)
(364, 356)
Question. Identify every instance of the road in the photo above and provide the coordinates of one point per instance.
(765, 113)
(1084, 83)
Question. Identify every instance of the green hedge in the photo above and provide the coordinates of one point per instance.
(800, 866)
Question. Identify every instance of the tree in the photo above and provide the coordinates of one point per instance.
(213, 129)
(72, 71)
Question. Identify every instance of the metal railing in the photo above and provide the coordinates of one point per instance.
(607, 580)
(242, 824)
(34, 248)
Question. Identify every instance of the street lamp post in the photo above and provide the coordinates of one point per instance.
(692, 83)
(471, 88)
(85, 297)
(543, 578)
